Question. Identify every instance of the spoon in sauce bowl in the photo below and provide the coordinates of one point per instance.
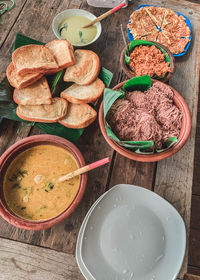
(84, 169)
(71, 29)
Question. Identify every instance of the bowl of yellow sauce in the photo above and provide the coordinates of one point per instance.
(69, 25)
(31, 196)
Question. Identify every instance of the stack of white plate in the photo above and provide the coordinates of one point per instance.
(131, 233)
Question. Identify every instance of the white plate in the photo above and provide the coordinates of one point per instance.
(132, 233)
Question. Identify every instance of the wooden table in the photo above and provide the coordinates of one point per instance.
(49, 254)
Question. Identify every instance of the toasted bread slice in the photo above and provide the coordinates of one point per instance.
(36, 94)
(51, 72)
(33, 59)
(78, 116)
(84, 94)
(18, 81)
(63, 53)
(85, 70)
(43, 113)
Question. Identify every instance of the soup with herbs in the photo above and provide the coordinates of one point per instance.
(31, 187)
(72, 30)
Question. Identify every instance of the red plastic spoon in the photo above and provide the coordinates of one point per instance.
(84, 169)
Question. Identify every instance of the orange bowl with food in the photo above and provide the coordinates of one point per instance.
(140, 126)
(148, 58)
(31, 196)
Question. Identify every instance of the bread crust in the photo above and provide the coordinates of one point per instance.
(53, 71)
(24, 84)
(49, 98)
(99, 91)
(95, 73)
(39, 69)
(82, 124)
(69, 48)
(85, 124)
(42, 120)
(17, 101)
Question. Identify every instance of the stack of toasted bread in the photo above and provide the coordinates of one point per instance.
(86, 89)
(26, 73)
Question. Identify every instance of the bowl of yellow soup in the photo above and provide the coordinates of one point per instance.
(31, 196)
(69, 25)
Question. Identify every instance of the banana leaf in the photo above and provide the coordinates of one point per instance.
(110, 96)
(56, 84)
(141, 83)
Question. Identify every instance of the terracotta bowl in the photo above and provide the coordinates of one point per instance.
(184, 133)
(21, 146)
(128, 71)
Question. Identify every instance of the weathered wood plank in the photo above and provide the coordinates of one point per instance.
(195, 210)
(194, 270)
(11, 132)
(194, 245)
(8, 19)
(21, 261)
(191, 277)
(132, 172)
(175, 175)
(196, 179)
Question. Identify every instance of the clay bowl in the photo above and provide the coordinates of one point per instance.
(21, 146)
(184, 133)
(128, 71)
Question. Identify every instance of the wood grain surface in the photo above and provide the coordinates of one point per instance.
(172, 178)
(191, 277)
(194, 244)
(20, 261)
(8, 20)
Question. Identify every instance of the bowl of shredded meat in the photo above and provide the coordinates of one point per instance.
(148, 58)
(157, 114)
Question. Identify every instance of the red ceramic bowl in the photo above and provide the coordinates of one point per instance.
(21, 146)
(184, 133)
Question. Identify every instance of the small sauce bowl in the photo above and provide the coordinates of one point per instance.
(59, 18)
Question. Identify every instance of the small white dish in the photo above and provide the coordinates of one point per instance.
(59, 18)
(131, 233)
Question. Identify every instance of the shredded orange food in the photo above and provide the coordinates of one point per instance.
(148, 60)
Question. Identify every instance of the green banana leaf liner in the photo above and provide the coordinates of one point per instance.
(142, 83)
(136, 43)
(56, 84)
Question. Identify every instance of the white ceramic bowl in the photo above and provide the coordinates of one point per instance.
(74, 12)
